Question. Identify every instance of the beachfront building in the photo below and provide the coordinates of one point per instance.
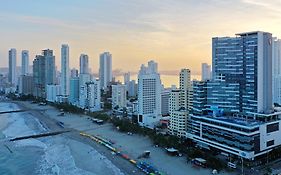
(234, 113)
(24, 62)
(53, 93)
(180, 105)
(12, 77)
(105, 70)
(26, 85)
(206, 72)
(185, 86)
(276, 71)
(93, 96)
(149, 95)
(119, 96)
(83, 79)
(65, 83)
(44, 72)
(74, 91)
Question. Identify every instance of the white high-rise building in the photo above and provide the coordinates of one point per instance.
(206, 72)
(149, 95)
(174, 100)
(53, 92)
(65, 78)
(24, 62)
(105, 71)
(119, 96)
(93, 102)
(185, 86)
(180, 105)
(276, 71)
(12, 77)
(84, 64)
(83, 79)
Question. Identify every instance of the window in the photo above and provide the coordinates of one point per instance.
(272, 127)
(270, 143)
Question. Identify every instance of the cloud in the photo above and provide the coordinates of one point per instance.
(273, 5)
(45, 21)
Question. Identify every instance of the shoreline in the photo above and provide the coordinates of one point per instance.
(50, 124)
(132, 145)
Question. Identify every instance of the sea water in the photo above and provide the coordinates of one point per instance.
(56, 155)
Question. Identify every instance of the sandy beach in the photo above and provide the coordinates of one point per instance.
(133, 145)
(64, 154)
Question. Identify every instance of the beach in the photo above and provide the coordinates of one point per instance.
(132, 145)
(64, 154)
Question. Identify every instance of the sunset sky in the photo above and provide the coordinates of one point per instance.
(175, 33)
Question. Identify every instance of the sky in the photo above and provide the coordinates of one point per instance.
(175, 33)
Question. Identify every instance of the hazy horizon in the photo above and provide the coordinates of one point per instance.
(175, 33)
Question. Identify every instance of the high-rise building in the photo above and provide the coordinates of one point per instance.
(105, 71)
(133, 89)
(84, 64)
(74, 91)
(24, 62)
(165, 95)
(247, 60)
(83, 79)
(149, 95)
(206, 72)
(44, 72)
(12, 67)
(119, 96)
(180, 105)
(65, 83)
(74, 73)
(26, 85)
(53, 92)
(276, 71)
(50, 67)
(93, 96)
(185, 86)
(233, 112)
(127, 80)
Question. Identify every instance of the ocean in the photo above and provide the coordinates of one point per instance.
(58, 155)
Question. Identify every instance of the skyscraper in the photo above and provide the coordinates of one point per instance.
(233, 112)
(44, 72)
(127, 80)
(276, 70)
(65, 71)
(206, 72)
(84, 64)
(74, 73)
(93, 96)
(12, 67)
(185, 86)
(247, 60)
(180, 105)
(24, 62)
(149, 95)
(105, 71)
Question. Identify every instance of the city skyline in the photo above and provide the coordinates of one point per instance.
(166, 31)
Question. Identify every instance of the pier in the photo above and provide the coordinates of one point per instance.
(39, 135)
